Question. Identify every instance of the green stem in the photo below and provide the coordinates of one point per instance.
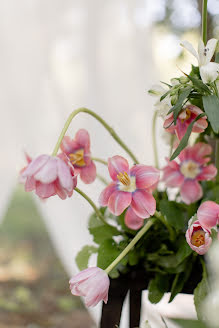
(160, 217)
(98, 118)
(99, 214)
(99, 160)
(138, 236)
(217, 158)
(171, 144)
(154, 143)
(204, 20)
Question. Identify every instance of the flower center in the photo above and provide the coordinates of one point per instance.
(126, 182)
(77, 158)
(190, 169)
(185, 115)
(198, 238)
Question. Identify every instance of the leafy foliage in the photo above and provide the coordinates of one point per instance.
(211, 105)
(83, 256)
(200, 293)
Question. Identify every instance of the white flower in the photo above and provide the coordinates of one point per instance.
(208, 70)
(163, 106)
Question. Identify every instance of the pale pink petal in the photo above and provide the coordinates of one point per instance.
(143, 204)
(106, 193)
(169, 123)
(45, 190)
(191, 191)
(200, 125)
(83, 138)
(88, 173)
(146, 176)
(35, 165)
(83, 275)
(208, 173)
(47, 173)
(200, 150)
(119, 201)
(117, 164)
(181, 128)
(64, 175)
(208, 214)
(132, 220)
(69, 145)
(60, 191)
(196, 110)
(30, 184)
(172, 175)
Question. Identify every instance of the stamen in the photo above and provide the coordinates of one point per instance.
(124, 178)
(187, 115)
(198, 238)
(77, 158)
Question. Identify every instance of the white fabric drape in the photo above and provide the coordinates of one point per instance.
(57, 56)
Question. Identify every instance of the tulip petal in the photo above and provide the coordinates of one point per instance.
(64, 174)
(106, 193)
(45, 190)
(83, 138)
(48, 173)
(30, 184)
(35, 165)
(191, 191)
(143, 204)
(88, 173)
(117, 164)
(208, 214)
(146, 176)
(132, 220)
(119, 201)
(208, 173)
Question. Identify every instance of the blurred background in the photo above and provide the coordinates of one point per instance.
(56, 56)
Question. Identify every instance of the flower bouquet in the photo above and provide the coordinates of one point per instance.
(153, 225)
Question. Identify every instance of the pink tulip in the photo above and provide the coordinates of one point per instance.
(92, 283)
(190, 168)
(50, 176)
(186, 116)
(130, 187)
(28, 160)
(208, 214)
(78, 152)
(198, 238)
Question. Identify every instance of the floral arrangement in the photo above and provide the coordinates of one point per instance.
(163, 220)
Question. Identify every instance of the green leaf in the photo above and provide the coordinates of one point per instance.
(183, 143)
(101, 231)
(173, 213)
(200, 293)
(83, 256)
(178, 106)
(217, 58)
(183, 323)
(154, 294)
(211, 107)
(200, 86)
(180, 280)
(107, 253)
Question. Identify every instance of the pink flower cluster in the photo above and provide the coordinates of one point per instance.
(198, 235)
(132, 189)
(192, 166)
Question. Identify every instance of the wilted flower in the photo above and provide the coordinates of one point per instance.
(190, 168)
(92, 283)
(78, 152)
(208, 70)
(198, 238)
(130, 187)
(185, 118)
(208, 214)
(50, 176)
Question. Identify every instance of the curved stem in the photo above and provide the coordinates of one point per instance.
(99, 160)
(204, 20)
(154, 140)
(160, 217)
(99, 214)
(98, 118)
(138, 236)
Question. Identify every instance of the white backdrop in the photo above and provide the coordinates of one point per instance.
(59, 55)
